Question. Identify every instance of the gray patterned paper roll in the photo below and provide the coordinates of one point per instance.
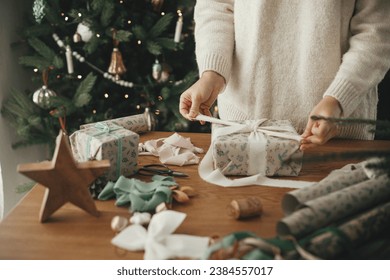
(338, 179)
(355, 232)
(335, 206)
(137, 123)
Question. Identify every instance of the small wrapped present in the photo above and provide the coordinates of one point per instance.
(107, 141)
(263, 147)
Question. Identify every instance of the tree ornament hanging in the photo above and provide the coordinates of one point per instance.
(83, 33)
(39, 10)
(157, 4)
(43, 96)
(156, 70)
(165, 73)
(117, 66)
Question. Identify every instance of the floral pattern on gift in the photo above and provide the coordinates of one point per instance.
(114, 143)
(232, 152)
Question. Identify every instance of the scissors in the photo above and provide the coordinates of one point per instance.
(159, 169)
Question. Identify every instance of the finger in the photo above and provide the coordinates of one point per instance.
(308, 129)
(194, 110)
(184, 106)
(307, 146)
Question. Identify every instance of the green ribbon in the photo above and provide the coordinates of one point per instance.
(142, 196)
(104, 128)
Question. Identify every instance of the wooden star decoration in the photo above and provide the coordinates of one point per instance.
(65, 179)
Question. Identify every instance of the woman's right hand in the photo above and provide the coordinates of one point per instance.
(201, 95)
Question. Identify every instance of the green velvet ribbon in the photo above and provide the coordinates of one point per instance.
(142, 196)
(287, 247)
(104, 128)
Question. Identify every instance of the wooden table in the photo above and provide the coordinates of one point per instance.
(71, 233)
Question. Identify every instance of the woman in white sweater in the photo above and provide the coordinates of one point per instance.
(291, 59)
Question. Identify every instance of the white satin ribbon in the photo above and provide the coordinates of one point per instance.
(175, 150)
(158, 242)
(215, 176)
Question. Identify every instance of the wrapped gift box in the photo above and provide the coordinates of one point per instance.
(252, 148)
(107, 141)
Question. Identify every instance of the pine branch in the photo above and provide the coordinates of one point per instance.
(41, 48)
(349, 121)
(82, 96)
(123, 35)
(139, 32)
(166, 43)
(107, 13)
(160, 26)
(35, 61)
(153, 48)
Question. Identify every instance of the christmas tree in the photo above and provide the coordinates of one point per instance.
(94, 60)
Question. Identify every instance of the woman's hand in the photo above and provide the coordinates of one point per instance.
(319, 132)
(201, 95)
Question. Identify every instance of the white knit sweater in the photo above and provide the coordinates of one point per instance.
(280, 57)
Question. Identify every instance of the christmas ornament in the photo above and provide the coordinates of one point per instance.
(64, 179)
(165, 73)
(82, 59)
(39, 10)
(43, 96)
(157, 4)
(83, 33)
(117, 66)
(156, 70)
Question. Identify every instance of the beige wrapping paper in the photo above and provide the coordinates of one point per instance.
(335, 206)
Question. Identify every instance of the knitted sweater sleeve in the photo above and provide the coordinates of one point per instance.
(214, 36)
(367, 60)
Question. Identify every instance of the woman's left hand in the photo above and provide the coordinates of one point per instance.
(319, 132)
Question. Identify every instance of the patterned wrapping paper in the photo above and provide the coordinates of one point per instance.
(137, 123)
(107, 141)
(352, 233)
(327, 209)
(232, 153)
(338, 179)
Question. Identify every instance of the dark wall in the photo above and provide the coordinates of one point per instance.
(384, 98)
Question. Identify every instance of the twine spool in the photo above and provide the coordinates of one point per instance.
(246, 207)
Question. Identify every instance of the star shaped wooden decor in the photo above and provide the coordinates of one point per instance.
(65, 179)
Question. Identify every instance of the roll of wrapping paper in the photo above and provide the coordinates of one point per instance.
(350, 234)
(336, 180)
(335, 206)
(137, 123)
(246, 207)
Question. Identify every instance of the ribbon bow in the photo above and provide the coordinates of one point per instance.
(257, 141)
(158, 242)
(105, 128)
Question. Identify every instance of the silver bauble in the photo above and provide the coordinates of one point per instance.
(43, 97)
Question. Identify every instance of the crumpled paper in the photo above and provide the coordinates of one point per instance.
(175, 150)
(158, 242)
